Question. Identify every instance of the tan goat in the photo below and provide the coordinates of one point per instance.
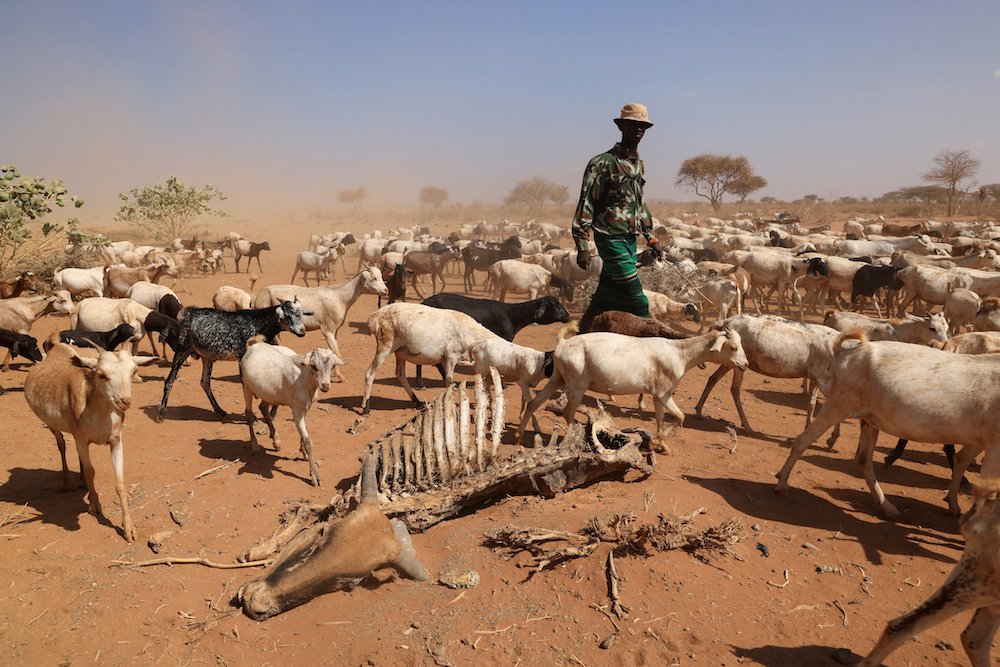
(86, 397)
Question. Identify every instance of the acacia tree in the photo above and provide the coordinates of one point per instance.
(168, 210)
(24, 200)
(433, 196)
(532, 193)
(950, 169)
(353, 196)
(746, 186)
(711, 176)
(558, 194)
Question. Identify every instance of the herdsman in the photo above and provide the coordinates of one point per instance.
(612, 205)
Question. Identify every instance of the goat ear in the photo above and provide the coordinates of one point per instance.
(720, 340)
(280, 312)
(83, 362)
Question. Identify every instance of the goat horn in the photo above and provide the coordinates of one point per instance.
(406, 562)
(369, 485)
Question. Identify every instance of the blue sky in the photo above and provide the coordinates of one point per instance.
(284, 104)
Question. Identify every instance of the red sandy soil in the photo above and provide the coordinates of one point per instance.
(66, 602)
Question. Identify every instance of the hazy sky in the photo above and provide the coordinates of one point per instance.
(283, 104)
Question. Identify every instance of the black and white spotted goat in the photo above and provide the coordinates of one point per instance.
(217, 335)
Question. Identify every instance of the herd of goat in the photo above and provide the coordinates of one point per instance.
(930, 374)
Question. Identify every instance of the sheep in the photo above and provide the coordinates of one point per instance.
(918, 330)
(422, 335)
(14, 287)
(307, 261)
(777, 347)
(974, 342)
(103, 314)
(276, 378)
(614, 364)
(339, 554)
(620, 322)
(19, 344)
(232, 299)
(973, 584)
(243, 248)
(666, 310)
(80, 282)
(875, 381)
(19, 313)
(217, 335)
(868, 280)
(516, 276)
(328, 306)
(521, 365)
(118, 280)
(105, 340)
(960, 308)
(86, 397)
(988, 317)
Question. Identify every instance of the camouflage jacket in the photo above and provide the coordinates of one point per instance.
(611, 200)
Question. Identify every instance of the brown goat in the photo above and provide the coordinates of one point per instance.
(420, 262)
(618, 321)
(14, 287)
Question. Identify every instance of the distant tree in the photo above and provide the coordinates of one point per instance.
(768, 200)
(433, 196)
(532, 193)
(746, 186)
(559, 194)
(168, 210)
(918, 194)
(23, 201)
(950, 169)
(848, 200)
(712, 176)
(812, 198)
(354, 196)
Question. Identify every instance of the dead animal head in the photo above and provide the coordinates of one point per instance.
(337, 555)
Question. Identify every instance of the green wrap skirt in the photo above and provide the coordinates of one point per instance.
(619, 287)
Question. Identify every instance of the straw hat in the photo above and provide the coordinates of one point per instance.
(634, 112)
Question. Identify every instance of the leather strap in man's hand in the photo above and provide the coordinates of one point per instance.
(583, 259)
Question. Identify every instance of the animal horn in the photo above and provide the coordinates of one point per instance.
(369, 485)
(406, 562)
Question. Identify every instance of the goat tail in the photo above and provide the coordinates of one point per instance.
(990, 303)
(569, 330)
(253, 340)
(851, 334)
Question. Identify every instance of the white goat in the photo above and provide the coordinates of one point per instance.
(276, 377)
(81, 282)
(664, 309)
(421, 335)
(524, 366)
(513, 275)
(974, 342)
(20, 312)
(960, 308)
(778, 348)
(918, 330)
(614, 364)
(884, 385)
(232, 299)
(86, 397)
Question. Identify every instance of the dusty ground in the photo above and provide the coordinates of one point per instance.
(66, 603)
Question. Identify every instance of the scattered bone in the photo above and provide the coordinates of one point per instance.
(539, 543)
(498, 413)
(617, 607)
(480, 423)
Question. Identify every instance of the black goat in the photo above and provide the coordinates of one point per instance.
(216, 335)
(106, 340)
(169, 306)
(503, 319)
(396, 283)
(481, 255)
(868, 280)
(168, 328)
(20, 344)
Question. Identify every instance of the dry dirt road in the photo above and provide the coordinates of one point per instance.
(65, 603)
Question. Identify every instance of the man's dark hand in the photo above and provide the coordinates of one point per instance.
(583, 259)
(657, 251)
